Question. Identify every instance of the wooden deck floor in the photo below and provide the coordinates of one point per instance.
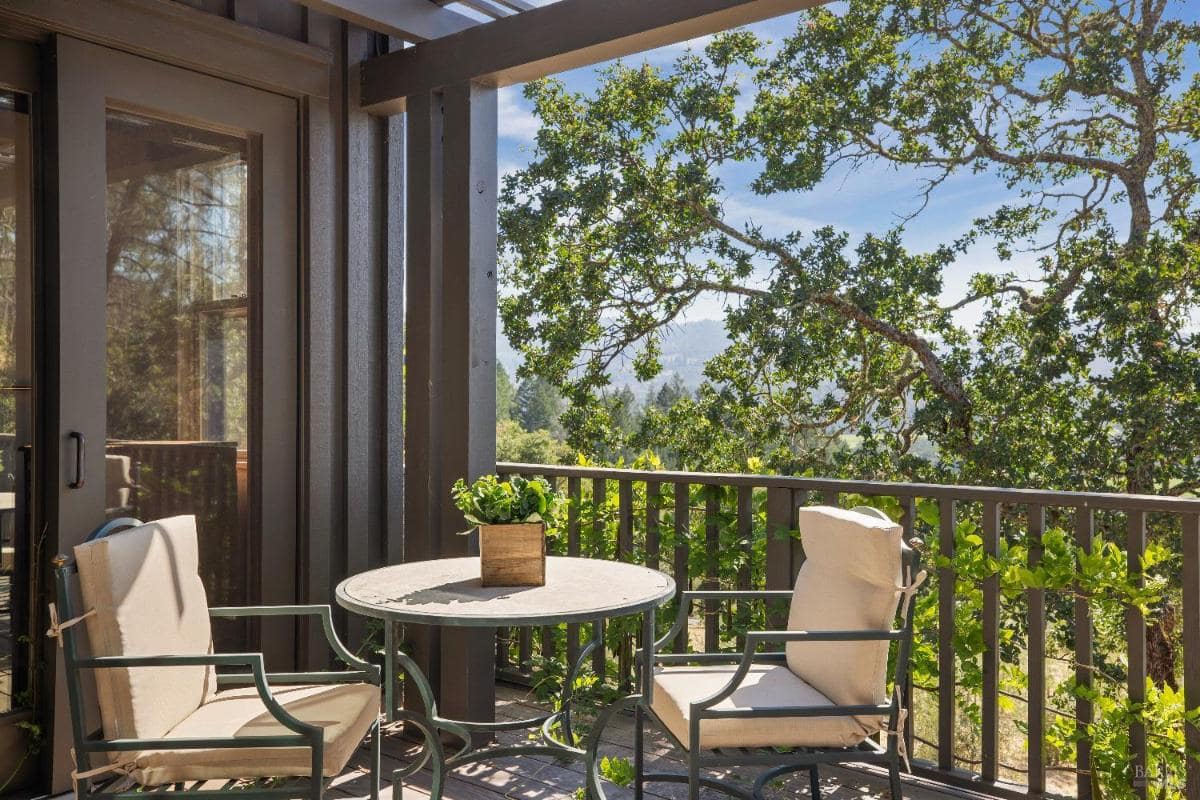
(537, 778)
(544, 778)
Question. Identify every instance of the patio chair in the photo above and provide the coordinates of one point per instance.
(821, 699)
(167, 717)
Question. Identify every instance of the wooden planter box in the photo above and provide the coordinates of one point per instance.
(513, 555)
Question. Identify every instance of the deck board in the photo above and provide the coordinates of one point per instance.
(546, 778)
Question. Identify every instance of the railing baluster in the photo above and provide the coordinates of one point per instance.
(625, 521)
(502, 662)
(524, 649)
(574, 497)
(599, 527)
(745, 532)
(1135, 636)
(1191, 645)
(653, 503)
(1036, 709)
(946, 665)
(781, 515)
(991, 647)
(831, 497)
(1085, 524)
(682, 535)
(908, 521)
(800, 499)
(712, 580)
(625, 553)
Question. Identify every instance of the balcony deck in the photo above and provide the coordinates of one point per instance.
(529, 778)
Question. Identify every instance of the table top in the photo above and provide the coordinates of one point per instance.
(447, 591)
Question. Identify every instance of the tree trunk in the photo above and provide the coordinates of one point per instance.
(1160, 647)
(1160, 650)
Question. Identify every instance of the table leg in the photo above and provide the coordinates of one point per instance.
(389, 669)
(636, 701)
(567, 694)
(433, 726)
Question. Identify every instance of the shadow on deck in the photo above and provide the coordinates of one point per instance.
(544, 778)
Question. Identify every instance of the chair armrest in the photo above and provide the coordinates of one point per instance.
(367, 669)
(313, 733)
(756, 638)
(687, 598)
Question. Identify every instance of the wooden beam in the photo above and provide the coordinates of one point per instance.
(450, 413)
(468, 353)
(553, 38)
(173, 33)
(414, 20)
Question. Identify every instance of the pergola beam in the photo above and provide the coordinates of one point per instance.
(553, 38)
(414, 20)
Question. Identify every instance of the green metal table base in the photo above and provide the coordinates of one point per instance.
(431, 725)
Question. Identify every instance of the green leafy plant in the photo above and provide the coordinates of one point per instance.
(616, 769)
(492, 501)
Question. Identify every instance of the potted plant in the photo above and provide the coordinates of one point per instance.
(511, 518)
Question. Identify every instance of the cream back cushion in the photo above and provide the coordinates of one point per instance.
(849, 580)
(144, 586)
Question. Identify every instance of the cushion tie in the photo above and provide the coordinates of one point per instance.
(907, 592)
(124, 768)
(906, 596)
(57, 628)
(898, 731)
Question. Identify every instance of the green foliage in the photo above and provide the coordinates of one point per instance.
(844, 356)
(506, 395)
(847, 357)
(617, 770)
(539, 405)
(514, 444)
(492, 501)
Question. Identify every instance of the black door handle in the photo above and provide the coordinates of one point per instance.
(80, 457)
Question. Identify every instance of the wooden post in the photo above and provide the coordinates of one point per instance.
(451, 390)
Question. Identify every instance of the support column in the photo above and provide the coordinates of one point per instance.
(451, 360)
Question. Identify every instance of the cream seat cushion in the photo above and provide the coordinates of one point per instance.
(766, 686)
(345, 711)
(849, 580)
(143, 585)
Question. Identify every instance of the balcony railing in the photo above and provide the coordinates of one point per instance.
(737, 531)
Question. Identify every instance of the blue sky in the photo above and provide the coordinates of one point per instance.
(869, 200)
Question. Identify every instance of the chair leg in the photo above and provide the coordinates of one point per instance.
(638, 755)
(894, 777)
(317, 788)
(376, 759)
(814, 782)
(693, 774)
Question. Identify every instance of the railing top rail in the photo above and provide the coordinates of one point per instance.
(1113, 501)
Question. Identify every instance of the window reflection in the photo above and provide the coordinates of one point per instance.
(178, 262)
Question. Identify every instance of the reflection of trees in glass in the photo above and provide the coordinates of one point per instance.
(177, 286)
(10, 185)
(8, 303)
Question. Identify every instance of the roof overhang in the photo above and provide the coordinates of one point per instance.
(549, 39)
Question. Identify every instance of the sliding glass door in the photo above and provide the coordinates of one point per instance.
(19, 546)
(178, 253)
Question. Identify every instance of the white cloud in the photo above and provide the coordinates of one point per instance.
(772, 214)
(516, 119)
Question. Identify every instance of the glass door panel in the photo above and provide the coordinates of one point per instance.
(16, 376)
(179, 276)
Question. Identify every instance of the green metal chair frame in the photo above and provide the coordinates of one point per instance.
(303, 734)
(779, 763)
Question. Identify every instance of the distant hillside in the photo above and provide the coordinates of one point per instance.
(685, 350)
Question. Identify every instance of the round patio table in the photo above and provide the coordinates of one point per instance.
(448, 592)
